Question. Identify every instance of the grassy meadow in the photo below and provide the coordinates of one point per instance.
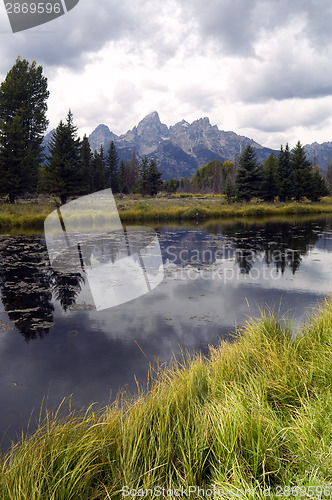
(188, 207)
(185, 207)
(26, 214)
(255, 414)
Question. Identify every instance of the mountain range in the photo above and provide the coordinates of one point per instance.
(179, 149)
(184, 147)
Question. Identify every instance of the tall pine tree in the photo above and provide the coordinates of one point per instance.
(318, 187)
(23, 107)
(112, 168)
(132, 173)
(248, 175)
(63, 168)
(123, 187)
(143, 177)
(286, 174)
(98, 169)
(86, 166)
(154, 178)
(302, 172)
(270, 179)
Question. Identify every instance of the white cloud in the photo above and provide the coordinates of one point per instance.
(260, 68)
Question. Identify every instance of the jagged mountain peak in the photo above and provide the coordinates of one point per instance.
(153, 116)
(180, 149)
(202, 122)
(151, 124)
(101, 136)
(319, 154)
(103, 128)
(178, 127)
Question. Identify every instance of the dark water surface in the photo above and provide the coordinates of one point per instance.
(53, 342)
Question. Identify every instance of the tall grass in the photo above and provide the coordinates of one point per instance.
(255, 414)
(25, 214)
(214, 207)
(133, 209)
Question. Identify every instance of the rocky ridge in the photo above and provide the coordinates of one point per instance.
(179, 149)
(184, 147)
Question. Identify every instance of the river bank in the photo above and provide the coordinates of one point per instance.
(254, 414)
(31, 214)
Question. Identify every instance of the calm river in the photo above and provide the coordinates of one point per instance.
(54, 343)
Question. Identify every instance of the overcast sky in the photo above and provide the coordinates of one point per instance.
(261, 68)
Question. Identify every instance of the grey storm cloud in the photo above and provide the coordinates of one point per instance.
(197, 96)
(291, 78)
(299, 67)
(235, 26)
(87, 28)
(238, 24)
(259, 52)
(230, 22)
(276, 118)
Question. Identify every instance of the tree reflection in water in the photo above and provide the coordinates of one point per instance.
(28, 284)
(280, 244)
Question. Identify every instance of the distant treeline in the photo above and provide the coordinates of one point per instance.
(290, 175)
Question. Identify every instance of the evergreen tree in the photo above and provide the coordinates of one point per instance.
(132, 172)
(63, 169)
(11, 153)
(23, 107)
(171, 185)
(248, 175)
(270, 179)
(98, 170)
(228, 183)
(123, 187)
(318, 187)
(143, 176)
(86, 166)
(286, 174)
(230, 189)
(302, 172)
(112, 168)
(154, 178)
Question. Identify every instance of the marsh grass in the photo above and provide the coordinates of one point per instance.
(25, 213)
(255, 414)
(168, 209)
(163, 209)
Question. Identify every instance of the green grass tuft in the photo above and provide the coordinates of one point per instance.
(255, 414)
